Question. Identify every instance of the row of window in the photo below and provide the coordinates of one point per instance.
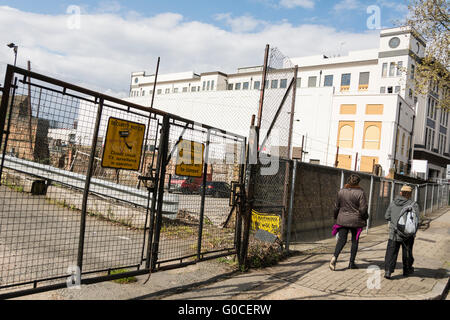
(363, 83)
(272, 84)
(395, 69)
(429, 140)
(371, 137)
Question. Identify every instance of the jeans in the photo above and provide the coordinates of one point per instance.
(392, 250)
(343, 233)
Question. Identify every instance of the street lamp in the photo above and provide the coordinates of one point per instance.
(14, 47)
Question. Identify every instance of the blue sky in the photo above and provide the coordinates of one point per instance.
(115, 38)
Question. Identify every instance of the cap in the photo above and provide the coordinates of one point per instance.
(406, 188)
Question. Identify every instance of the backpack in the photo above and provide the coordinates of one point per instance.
(408, 223)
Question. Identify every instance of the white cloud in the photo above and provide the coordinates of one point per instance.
(105, 50)
(240, 24)
(297, 3)
(347, 5)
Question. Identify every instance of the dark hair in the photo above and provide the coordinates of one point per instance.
(353, 180)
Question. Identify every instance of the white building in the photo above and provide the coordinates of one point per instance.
(364, 103)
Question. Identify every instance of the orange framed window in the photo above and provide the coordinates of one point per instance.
(372, 135)
(346, 131)
(348, 109)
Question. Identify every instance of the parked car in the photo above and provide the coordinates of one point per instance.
(186, 185)
(217, 189)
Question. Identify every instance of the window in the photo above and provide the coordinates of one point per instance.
(167, 90)
(143, 92)
(345, 82)
(204, 85)
(374, 109)
(345, 134)
(212, 84)
(410, 93)
(363, 80)
(312, 82)
(266, 84)
(175, 90)
(328, 81)
(348, 109)
(397, 89)
(237, 86)
(413, 69)
(230, 86)
(193, 89)
(274, 84)
(384, 70)
(399, 68)
(368, 163)
(403, 144)
(207, 85)
(382, 89)
(185, 89)
(372, 134)
(256, 85)
(408, 146)
(391, 69)
(299, 82)
(390, 90)
(283, 83)
(245, 86)
(159, 91)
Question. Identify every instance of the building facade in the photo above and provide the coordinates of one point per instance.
(358, 111)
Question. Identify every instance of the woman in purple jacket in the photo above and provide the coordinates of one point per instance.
(350, 213)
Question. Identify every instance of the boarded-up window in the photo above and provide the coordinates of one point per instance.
(367, 163)
(374, 109)
(372, 135)
(344, 161)
(348, 109)
(345, 137)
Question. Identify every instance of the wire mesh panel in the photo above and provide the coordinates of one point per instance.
(39, 227)
(62, 209)
(203, 164)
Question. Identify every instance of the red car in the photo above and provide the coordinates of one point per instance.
(185, 185)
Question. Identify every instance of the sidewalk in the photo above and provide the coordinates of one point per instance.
(307, 275)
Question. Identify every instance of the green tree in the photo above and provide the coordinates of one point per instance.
(430, 19)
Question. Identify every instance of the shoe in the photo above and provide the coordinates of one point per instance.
(387, 275)
(352, 265)
(408, 272)
(333, 263)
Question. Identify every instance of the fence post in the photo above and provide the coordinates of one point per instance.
(432, 196)
(369, 210)
(291, 206)
(203, 194)
(163, 150)
(87, 185)
(425, 202)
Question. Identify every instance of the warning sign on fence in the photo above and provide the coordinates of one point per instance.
(123, 144)
(190, 158)
(265, 221)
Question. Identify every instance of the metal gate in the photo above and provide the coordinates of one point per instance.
(66, 218)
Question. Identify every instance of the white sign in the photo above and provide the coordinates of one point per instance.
(419, 166)
(448, 172)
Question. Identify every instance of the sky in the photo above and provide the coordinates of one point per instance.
(97, 44)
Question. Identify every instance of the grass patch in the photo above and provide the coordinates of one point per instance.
(124, 280)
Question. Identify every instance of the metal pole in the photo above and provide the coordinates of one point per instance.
(86, 186)
(263, 87)
(369, 209)
(149, 123)
(336, 161)
(291, 206)
(356, 161)
(425, 202)
(163, 151)
(203, 195)
(432, 196)
(342, 179)
(291, 120)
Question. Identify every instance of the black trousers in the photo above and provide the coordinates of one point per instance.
(343, 233)
(392, 250)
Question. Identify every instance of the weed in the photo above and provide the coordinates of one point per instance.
(124, 280)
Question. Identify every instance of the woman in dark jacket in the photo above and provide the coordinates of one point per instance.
(351, 214)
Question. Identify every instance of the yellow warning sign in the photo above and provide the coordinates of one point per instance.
(123, 144)
(189, 158)
(265, 221)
